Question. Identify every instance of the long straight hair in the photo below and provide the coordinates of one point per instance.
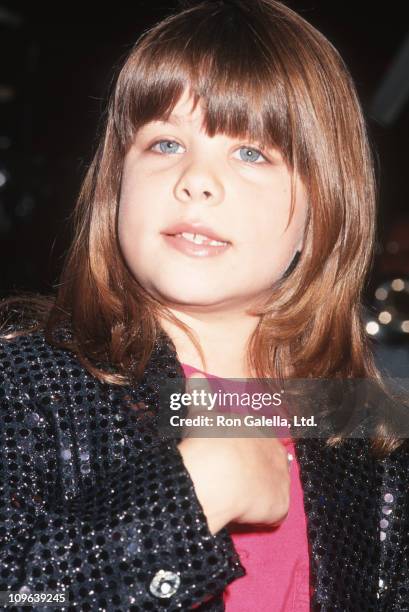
(265, 73)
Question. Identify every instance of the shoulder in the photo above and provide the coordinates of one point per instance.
(30, 355)
(32, 368)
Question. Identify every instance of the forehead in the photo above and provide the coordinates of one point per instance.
(184, 111)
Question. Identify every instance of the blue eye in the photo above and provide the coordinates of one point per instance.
(166, 148)
(251, 154)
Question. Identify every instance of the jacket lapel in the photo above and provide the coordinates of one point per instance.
(394, 529)
(341, 501)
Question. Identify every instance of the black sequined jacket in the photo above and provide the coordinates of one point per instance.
(98, 508)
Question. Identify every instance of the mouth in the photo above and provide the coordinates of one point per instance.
(197, 233)
(195, 239)
(196, 245)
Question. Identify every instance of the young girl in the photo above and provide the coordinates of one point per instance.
(226, 227)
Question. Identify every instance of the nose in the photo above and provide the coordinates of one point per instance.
(198, 185)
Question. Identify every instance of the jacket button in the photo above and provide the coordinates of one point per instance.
(164, 584)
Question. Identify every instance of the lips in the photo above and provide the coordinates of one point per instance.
(194, 228)
(202, 250)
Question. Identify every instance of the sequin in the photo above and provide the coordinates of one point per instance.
(132, 547)
(32, 419)
(388, 497)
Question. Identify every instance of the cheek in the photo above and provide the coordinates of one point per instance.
(139, 223)
(131, 225)
(269, 238)
(136, 204)
(126, 220)
(266, 206)
(264, 227)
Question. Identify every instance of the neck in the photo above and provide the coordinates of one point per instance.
(223, 338)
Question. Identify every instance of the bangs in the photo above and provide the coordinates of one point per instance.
(219, 57)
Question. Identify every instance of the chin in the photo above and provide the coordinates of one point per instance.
(188, 296)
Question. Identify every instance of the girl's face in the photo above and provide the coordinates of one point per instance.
(174, 173)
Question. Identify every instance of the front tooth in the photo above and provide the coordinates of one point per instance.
(188, 236)
(199, 239)
(196, 238)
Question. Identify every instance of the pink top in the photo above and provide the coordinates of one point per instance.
(276, 559)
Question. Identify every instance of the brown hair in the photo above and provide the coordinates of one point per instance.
(261, 71)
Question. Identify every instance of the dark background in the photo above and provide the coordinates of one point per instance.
(57, 65)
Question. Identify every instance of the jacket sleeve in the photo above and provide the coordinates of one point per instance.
(137, 540)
